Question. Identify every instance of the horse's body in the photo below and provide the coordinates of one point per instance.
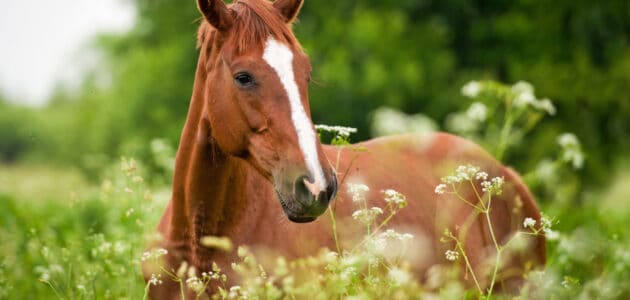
(221, 188)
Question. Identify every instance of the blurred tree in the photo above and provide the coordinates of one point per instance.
(408, 54)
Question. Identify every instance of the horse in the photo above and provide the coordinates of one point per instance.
(250, 166)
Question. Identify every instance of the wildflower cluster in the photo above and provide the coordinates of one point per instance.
(500, 114)
(395, 198)
(198, 284)
(153, 254)
(155, 279)
(393, 235)
(341, 134)
(357, 191)
(339, 130)
(367, 216)
(468, 175)
(451, 255)
(523, 93)
(571, 150)
(544, 227)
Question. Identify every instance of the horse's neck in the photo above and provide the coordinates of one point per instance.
(208, 186)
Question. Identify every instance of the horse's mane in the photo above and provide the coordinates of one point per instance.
(254, 22)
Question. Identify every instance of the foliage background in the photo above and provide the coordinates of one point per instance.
(407, 54)
(410, 55)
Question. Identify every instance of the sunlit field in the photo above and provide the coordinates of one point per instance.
(541, 86)
(64, 236)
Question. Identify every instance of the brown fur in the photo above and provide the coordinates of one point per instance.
(238, 146)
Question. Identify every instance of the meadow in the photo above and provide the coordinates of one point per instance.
(65, 236)
(85, 177)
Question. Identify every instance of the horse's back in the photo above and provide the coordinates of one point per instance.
(414, 164)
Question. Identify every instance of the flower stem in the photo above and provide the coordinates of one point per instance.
(505, 134)
(497, 247)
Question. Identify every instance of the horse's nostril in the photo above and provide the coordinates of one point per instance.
(301, 189)
(306, 188)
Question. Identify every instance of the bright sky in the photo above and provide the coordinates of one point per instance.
(41, 41)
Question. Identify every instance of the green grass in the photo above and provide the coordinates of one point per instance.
(85, 244)
(89, 247)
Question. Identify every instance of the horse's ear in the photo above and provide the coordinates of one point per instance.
(288, 8)
(217, 13)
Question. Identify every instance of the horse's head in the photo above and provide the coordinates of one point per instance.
(255, 84)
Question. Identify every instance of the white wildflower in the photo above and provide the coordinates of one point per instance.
(155, 280)
(376, 244)
(367, 216)
(567, 140)
(195, 284)
(529, 222)
(393, 235)
(571, 150)
(524, 96)
(481, 176)
(153, 254)
(477, 112)
(551, 234)
(339, 130)
(466, 172)
(451, 179)
(358, 191)
(546, 105)
(494, 186)
(394, 197)
(471, 89)
(440, 189)
(376, 210)
(451, 255)
(524, 99)
(522, 87)
(389, 233)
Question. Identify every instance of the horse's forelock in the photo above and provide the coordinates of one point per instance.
(254, 22)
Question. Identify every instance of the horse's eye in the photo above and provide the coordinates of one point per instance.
(244, 80)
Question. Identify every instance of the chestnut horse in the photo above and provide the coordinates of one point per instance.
(249, 159)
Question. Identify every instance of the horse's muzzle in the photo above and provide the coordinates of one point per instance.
(302, 206)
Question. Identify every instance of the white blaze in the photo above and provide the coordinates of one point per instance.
(280, 58)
